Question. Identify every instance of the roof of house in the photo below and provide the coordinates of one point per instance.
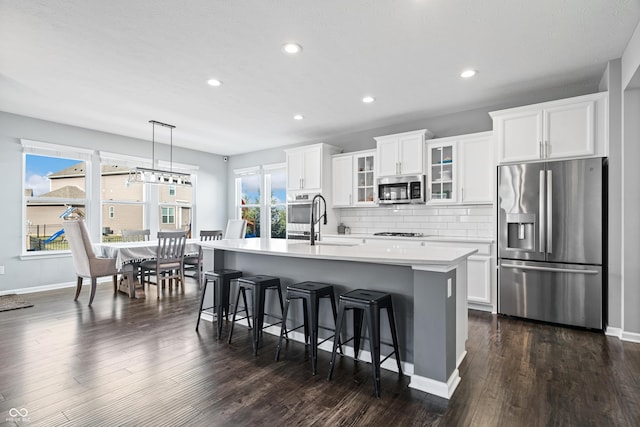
(78, 169)
(66, 192)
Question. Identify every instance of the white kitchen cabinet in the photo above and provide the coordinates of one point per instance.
(477, 166)
(402, 153)
(304, 168)
(353, 179)
(461, 169)
(479, 279)
(567, 128)
(342, 180)
(441, 176)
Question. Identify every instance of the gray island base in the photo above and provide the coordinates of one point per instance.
(427, 283)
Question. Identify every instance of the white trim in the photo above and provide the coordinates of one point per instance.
(177, 167)
(437, 388)
(254, 170)
(56, 150)
(630, 336)
(51, 287)
(124, 159)
(274, 166)
(613, 332)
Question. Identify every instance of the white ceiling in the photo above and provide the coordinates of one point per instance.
(114, 65)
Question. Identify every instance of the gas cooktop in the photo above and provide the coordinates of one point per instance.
(396, 234)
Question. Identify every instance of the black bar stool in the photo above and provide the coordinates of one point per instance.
(369, 303)
(221, 284)
(310, 294)
(259, 285)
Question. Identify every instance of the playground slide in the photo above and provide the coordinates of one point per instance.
(55, 235)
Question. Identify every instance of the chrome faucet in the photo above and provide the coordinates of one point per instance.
(315, 220)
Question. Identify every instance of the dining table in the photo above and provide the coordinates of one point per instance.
(129, 255)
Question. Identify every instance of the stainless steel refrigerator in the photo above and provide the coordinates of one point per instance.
(551, 235)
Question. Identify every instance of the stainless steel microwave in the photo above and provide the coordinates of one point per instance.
(402, 189)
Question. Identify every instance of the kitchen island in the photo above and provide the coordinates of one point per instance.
(429, 297)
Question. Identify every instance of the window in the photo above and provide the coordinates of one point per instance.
(168, 215)
(276, 184)
(249, 191)
(116, 192)
(177, 199)
(270, 210)
(54, 183)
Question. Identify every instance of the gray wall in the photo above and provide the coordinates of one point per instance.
(209, 212)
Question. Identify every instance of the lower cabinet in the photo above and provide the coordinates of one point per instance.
(479, 279)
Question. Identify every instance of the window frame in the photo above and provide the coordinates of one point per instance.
(44, 149)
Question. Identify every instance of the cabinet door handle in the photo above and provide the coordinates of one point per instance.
(547, 149)
(462, 194)
(350, 199)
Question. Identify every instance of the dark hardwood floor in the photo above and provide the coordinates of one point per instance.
(141, 363)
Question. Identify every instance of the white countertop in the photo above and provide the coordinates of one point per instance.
(415, 256)
(430, 238)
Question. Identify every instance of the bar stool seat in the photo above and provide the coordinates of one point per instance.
(310, 293)
(258, 284)
(367, 303)
(221, 283)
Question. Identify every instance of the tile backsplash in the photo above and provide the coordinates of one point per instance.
(459, 221)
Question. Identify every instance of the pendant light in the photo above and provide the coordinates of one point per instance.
(159, 176)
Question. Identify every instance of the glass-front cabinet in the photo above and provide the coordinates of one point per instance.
(365, 179)
(354, 179)
(442, 172)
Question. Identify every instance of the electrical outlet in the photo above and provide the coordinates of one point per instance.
(449, 288)
(1, 269)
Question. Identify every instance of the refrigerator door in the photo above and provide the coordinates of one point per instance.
(521, 201)
(574, 211)
(558, 293)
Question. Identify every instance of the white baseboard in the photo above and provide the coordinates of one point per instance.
(40, 288)
(438, 388)
(481, 307)
(613, 332)
(630, 336)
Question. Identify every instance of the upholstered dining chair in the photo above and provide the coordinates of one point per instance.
(169, 262)
(194, 262)
(136, 235)
(86, 263)
(236, 229)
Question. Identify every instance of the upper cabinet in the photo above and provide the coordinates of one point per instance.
(402, 153)
(461, 169)
(353, 182)
(567, 128)
(305, 167)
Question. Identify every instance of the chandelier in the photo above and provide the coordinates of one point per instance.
(159, 176)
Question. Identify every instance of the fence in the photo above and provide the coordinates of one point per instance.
(38, 234)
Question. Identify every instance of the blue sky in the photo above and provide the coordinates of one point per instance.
(37, 169)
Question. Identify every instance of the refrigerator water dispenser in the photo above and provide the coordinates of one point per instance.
(521, 230)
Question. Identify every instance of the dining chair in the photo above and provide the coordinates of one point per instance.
(86, 263)
(236, 229)
(169, 262)
(194, 262)
(136, 235)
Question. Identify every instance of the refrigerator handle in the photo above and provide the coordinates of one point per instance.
(541, 214)
(549, 211)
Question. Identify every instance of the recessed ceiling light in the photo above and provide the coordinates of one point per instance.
(298, 117)
(214, 82)
(368, 99)
(292, 48)
(468, 74)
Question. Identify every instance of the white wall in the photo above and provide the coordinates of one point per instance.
(210, 210)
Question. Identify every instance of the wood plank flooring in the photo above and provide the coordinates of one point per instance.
(141, 363)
